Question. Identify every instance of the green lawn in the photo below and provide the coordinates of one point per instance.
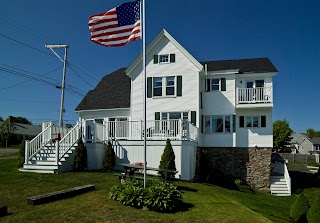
(202, 203)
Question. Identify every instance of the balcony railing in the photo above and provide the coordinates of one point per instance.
(254, 95)
(134, 130)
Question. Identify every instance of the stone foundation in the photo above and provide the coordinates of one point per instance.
(251, 165)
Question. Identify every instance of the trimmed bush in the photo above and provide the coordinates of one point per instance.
(109, 159)
(299, 209)
(81, 157)
(167, 161)
(158, 196)
(314, 212)
(21, 152)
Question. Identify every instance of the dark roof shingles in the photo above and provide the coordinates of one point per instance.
(113, 91)
(257, 65)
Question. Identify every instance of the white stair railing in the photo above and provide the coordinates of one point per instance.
(67, 142)
(37, 143)
(287, 177)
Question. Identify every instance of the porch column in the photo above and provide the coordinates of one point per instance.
(57, 152)
(26, 152)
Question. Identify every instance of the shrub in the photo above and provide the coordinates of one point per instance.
(162, 196)
(299, 208)
(158, 196)
(21, 152)
(80, 159)
(314, 212)
(109, 159)
(167, 161)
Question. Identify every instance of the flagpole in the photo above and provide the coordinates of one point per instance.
(144, 92)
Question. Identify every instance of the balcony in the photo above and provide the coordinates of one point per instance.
(254, 97)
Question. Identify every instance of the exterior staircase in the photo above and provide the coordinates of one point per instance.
(51, 151)
(280, 181)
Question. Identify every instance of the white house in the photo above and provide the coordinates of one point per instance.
(210, 104)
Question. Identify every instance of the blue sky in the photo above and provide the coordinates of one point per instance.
(288, 32)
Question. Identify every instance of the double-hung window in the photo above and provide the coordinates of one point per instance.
(157, 86)
(216, 84)
(164, 86)
(170, 86)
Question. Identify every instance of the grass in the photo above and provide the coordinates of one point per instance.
(202, 202)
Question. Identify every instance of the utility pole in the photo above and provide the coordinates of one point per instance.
(64, 61)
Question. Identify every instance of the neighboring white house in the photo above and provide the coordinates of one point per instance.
(225, 103)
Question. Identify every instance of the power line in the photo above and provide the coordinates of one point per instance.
(31, 47)
(81, 77)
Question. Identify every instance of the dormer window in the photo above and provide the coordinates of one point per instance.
(164, 58)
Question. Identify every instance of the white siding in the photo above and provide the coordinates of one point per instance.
(182, 67)
(251, 137)
(218, 140)
(219, 102)
(104, 113)
(185, 155)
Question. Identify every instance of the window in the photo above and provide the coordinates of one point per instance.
(164, 58)
(157, 86)
(215, 84)
(164, 86)
(170, 86)
(217, 124)
(252, 121)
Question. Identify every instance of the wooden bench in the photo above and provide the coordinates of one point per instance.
(58, 195)
(130, 170)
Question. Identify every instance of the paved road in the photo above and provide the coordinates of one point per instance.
(8, 151)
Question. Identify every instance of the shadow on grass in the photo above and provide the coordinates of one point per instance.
(276, 217)
(183, 188)
(302, 180)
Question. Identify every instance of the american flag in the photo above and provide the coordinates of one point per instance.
(117, 26)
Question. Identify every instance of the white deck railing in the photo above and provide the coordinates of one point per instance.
(156, 130)
(254, 95)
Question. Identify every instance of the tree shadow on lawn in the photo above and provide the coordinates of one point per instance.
(302, 180)
(273, 216)
(183, 188)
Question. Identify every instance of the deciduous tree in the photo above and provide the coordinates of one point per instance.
(281, 134)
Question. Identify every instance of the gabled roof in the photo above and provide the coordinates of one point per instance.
(26, 129)
(315, 140)
(163, 33)
(113, 91)
(256, 65)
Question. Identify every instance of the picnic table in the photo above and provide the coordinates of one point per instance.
(130, 170)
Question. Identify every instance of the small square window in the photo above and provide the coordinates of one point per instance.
(215, 84)
(164, 58)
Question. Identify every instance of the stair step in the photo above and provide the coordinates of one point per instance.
(40, 167)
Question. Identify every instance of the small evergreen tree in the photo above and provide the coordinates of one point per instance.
(299, 209)
(81, 157)
(168, 158)
(109, 159)
(314, 212)
(21, 152)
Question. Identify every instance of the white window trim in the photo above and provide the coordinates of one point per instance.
(164, 87)
(209, 87)
(166, 62)
(253, 116)
(224, 125)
